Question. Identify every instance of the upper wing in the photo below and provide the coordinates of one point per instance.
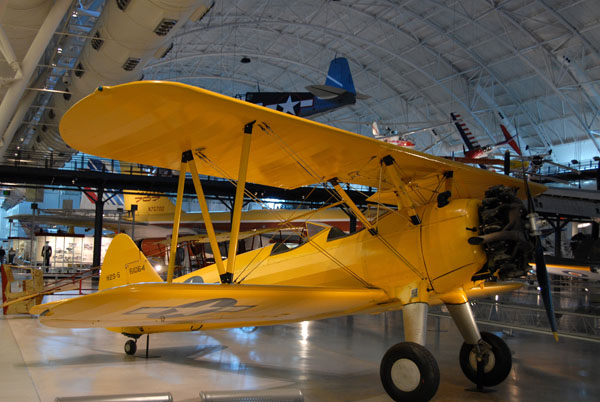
(152, 123)
(149, 304)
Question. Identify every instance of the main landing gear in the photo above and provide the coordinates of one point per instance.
(409, 371)
(487, 363)
(131, 346)
(484, 358)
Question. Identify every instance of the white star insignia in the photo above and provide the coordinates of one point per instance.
(288, 106)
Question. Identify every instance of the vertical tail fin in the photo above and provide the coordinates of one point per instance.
(124, 264)
(465, 133)
(150, 204)
(339, 75)
(510, 139)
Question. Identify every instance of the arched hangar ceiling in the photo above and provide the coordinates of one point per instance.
(532, 64)
(534, 61)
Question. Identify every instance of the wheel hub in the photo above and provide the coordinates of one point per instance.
(488, 359)
(405, 375)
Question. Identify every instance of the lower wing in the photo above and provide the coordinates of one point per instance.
(151, 304)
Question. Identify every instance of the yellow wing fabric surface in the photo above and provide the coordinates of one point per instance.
(152, 123)
(148, 304)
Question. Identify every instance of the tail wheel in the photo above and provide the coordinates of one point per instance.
(409, 372)
(496, 358)
(130, 347)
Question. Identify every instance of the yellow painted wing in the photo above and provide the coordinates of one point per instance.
(152, 123)
(151, 304)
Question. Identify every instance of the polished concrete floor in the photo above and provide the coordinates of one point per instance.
(330, 360)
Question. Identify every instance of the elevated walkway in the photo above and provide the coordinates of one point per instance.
(573, 203)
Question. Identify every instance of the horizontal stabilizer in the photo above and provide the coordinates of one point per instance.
(326, 91)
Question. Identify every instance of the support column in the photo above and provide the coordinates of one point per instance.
(34, 207)
(134, 208)
(414, 316)
(98, 227)
(239, 202)
(557, 238)
(507, 163)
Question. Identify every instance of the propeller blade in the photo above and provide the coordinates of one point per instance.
(540, 262)
(544, 283)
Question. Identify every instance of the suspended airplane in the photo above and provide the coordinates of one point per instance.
(442, 240)
(338, 91)
(534, 161)
(474, 150)
(392, 137)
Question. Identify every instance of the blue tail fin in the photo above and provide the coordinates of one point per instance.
(339, 75)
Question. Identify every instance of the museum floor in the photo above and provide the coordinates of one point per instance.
(331, 360)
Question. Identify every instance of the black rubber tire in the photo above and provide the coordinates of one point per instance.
(498, 369)
(130, 347)
(428, 373)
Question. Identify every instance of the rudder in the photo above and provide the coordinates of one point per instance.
(339, 75)
(125, 264)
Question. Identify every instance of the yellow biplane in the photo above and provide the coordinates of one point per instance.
(449, 232)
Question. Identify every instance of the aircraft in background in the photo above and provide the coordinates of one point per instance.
(571, 268)
(391, 137)
(474, 149)
(154, 218)
(436, 243)
(338, 91)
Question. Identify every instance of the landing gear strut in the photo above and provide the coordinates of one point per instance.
(484, 358)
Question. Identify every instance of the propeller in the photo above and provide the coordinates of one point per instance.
(540, 262)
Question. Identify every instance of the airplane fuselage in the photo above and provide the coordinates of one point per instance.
(432, 257)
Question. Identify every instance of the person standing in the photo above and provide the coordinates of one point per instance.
(11, 255)
(47, 253)
(2, 254)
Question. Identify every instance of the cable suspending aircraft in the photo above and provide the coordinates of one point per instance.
(450, 233)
